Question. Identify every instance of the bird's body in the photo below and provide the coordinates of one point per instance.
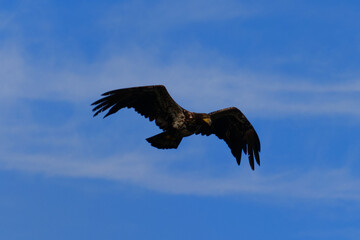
(155, 103)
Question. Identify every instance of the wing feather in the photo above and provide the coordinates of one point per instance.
(231, 125)
(153, 102)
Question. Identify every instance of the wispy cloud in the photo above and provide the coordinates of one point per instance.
(149, 172)
(196, 82)
(159, 15)
(208, 86)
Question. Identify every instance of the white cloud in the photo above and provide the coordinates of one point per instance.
(161, 15)
(196, 83)
(199, 87)
(198, 80)
(152, 173)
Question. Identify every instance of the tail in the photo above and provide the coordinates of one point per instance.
(165, 140)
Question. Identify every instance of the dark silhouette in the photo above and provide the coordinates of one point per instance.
(155, 103)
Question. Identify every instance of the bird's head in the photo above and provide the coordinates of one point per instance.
(206, 118)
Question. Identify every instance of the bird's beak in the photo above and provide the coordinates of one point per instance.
(207, 120)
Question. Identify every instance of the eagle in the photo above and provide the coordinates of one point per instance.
(156, 104)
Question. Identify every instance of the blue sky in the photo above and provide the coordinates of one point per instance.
(291, 66)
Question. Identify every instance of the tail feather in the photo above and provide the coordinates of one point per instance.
(165, 140)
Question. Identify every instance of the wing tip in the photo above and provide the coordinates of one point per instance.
(257, 157)
(252, 167)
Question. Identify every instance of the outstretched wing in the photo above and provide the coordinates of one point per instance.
(153, 102)
(231, 125)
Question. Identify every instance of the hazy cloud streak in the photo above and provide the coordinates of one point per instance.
(134, 168)
(162, 15)
(208, 86)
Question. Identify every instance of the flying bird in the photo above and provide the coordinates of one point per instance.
(155, 103)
